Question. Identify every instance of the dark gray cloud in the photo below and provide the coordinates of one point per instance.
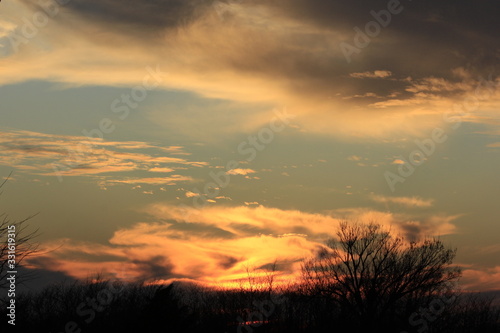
(155, 268)
(427, 38)
(282, 266)
(225, 261)
(438, 35)
(202, 230)
(151, 14)
(36, 279)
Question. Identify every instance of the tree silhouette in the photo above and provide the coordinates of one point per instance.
(373, 276)
(24, 245)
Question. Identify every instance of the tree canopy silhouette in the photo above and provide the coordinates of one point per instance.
(372, 275)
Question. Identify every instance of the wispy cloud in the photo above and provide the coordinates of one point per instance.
(171, 180)
(481, 279)
(398, 161)
(241, 172)
(371, 75)
(406, 224)
(405, 201)
(65, 155)
(163, 170)
(354, 158)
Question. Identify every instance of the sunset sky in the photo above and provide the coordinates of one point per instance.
(191, 139)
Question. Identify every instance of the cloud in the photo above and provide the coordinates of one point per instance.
(412, 227)
(354, 158)
(371, 75)
(190, 194)
(481, 279)
(171, 180)
(164, 170)
(242, 172)
(145, 16)
(216, 244)
(490, 249)
(176, 254)
(365, 95)
(244, 221)
(398, 161)
(405, 201)
(66, 155)
(280, 53)
(224, 197)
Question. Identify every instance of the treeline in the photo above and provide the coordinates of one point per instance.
(364, 280)
(106, 306)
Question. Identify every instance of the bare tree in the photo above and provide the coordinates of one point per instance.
(24, 245)
(369, 272)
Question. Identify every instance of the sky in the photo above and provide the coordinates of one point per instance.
(195, 140)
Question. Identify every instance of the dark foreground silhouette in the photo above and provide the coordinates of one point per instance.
(364, 280)
(107, 306)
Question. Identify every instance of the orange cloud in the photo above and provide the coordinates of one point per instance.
(242, 172)
(244, 220)
(411, 227)
(165, 170)
(171, 180)
(66, 155)
(481, 280)
(181, 255)
(216, 244)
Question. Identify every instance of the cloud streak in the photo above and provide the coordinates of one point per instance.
(65, 155)
(405, 201)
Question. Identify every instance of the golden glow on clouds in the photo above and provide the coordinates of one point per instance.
(64, 155)
(271, 59)
(165, 170)
(244, 220)
(242, 172)
(218, 244)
